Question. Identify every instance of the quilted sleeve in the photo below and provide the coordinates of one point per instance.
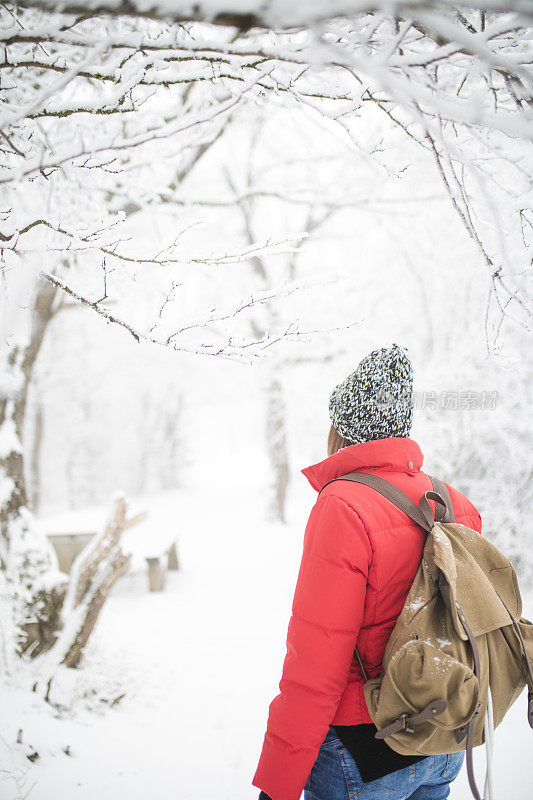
(327, 611)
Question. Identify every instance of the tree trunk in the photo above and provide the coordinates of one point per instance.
(27, 560)
(35, 461)
(276, 436)
(170, 444)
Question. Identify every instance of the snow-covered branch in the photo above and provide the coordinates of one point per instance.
(239, 349)
(94, 93)
(272, 14)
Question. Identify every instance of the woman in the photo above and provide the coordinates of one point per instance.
(360, 556)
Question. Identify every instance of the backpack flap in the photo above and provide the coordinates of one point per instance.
(470, 591)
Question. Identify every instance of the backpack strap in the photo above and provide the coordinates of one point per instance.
(421, 514)
(405, 722)
(527, 664)
(440, 487)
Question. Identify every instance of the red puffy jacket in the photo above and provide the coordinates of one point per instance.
(360, 556)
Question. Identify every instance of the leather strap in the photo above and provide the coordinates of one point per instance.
(444, 588)
(440, 487)
(391, 492)
(407, 721)
(426, 508)
(472, 721)
(528, 665)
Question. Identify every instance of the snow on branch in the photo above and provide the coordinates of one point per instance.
(458, 66)
(234, 348)
(271, 14)
(43, 164)
(89, 90)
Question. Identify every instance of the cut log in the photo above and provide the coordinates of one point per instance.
(156, 574)
(173, 562)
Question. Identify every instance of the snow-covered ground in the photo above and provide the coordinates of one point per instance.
(198, 665)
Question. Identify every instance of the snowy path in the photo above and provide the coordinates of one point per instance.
(199, 662)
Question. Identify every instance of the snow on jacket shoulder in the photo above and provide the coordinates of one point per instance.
(360, 555)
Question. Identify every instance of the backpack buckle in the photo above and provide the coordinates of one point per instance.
(405, 724)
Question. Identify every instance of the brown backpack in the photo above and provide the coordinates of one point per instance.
(460, 639)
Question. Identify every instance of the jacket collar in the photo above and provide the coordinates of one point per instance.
(394, 453)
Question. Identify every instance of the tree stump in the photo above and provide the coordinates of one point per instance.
(156, 574)
(173, 562)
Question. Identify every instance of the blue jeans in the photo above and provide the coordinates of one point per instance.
(335, 777)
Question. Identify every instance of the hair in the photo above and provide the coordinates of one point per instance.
(336, 441)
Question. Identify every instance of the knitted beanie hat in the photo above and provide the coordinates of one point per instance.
(376, 400)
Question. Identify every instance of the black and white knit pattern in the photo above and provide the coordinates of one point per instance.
(376, 400)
